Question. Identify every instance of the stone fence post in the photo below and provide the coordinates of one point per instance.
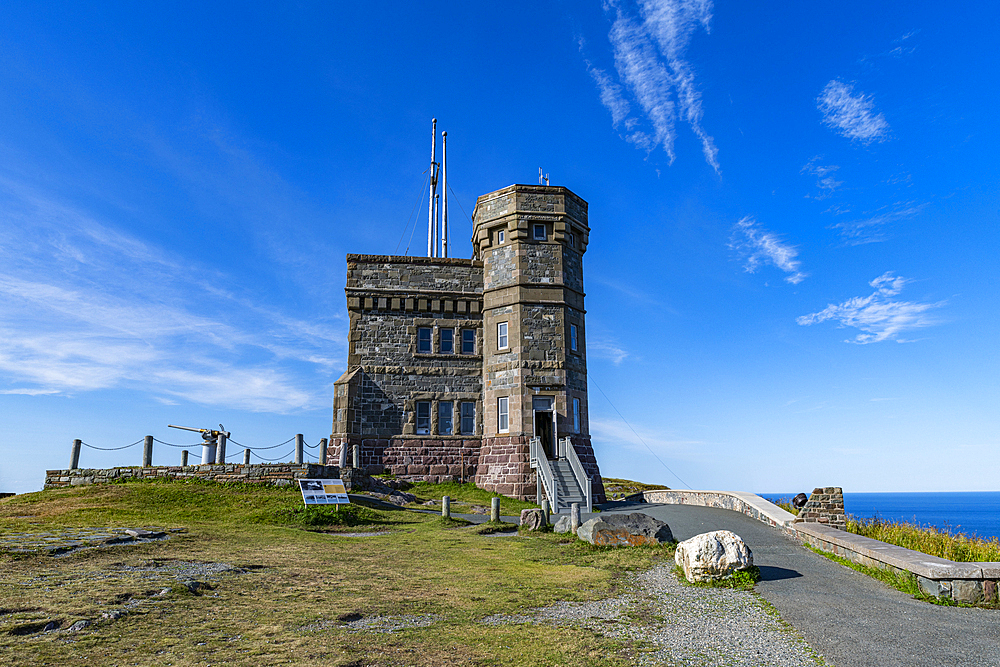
(147, 452)
(357, 455)
(246, 457)
(495, 510)
(322, 451)
(446, 507)
(184, 458)
(220, 453)
(74, 459)
(298, 448)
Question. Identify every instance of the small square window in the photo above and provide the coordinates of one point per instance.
(468, 418)
(447, 342)
(503, 423)
(424, 339)
(468, 341)
(445, 417)
(423, 417)
(501, 236)
(502, 336)
(538, 232)
(572, 337)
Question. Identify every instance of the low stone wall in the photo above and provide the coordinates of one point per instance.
(746, 503)
(505, 468)
(963, 582)
(266, 473)
(414, 459)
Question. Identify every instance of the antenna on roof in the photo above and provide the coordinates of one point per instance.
(444, 188)
(431, 210)
(542, 177)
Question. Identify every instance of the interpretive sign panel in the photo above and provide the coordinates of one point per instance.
(323, 492)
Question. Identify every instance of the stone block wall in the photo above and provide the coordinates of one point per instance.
(267, 473)
(825, 506)
(505, 468)
(414, 459)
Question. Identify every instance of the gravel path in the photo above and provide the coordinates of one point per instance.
(851, 619)
(676, 624)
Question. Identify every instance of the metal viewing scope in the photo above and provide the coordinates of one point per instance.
(208, 435)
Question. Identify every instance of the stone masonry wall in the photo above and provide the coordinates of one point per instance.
(505, 468)
(825, 506)
(585, 452)
(414, 459)
(268, 473)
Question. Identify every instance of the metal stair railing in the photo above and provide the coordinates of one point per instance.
(568, 451)
(540, 463)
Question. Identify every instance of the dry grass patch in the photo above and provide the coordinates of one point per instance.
(273, 571)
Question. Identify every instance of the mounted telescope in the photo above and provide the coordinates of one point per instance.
(213, 449)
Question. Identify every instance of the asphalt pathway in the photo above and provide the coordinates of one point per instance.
(850, 619)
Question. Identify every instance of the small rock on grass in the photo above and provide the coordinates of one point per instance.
(562, 525)
(79, 625)
(533, 519)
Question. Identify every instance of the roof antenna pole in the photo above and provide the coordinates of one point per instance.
(444, 189)
(431, 217)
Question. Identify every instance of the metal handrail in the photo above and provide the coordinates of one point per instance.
(540, 463)
(568, 451)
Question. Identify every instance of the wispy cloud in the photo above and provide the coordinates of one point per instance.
(878, 315)
(649, 41)
(825, 179)
(757, 247)
(851, 114)
(604, 349)
(871, 229)
(85, 306)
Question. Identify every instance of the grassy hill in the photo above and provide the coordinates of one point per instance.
(251, 577)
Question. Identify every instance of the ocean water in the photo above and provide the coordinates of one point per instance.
(972, 512)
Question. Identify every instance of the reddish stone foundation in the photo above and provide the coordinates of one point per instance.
(501, 464)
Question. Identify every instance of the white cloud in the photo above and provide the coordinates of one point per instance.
(603, 349)
(825, 179)
(878, 316)
(871, 229)
(758, 247)
(84, 306)
(851, 114)
(648, 44)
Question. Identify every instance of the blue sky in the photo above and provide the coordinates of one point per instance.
(791, 276)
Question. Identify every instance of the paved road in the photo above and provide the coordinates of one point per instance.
(849, 618)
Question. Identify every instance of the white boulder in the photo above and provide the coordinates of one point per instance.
(712, 556)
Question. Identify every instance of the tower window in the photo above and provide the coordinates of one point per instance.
(502, 336)
(447, 342)
(468, 424)
(503, 423)
(423, 417)
(468, 341)
(501, 236)
(571, 240)
(445, 417)
(572, 337)
(576, 415)
(538, 232)
(424, 339)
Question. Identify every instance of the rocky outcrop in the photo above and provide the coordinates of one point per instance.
(625, 530)
(713, 556)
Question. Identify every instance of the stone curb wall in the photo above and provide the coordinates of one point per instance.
(280, 474)
(746, 503)
(963, 582)
(825, 506)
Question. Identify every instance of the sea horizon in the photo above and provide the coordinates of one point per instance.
(974, 513)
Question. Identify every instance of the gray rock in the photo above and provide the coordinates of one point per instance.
(712, 556)
(79, 625)
(562, 525)
(113, 615)
(934, 588)
(50, 626)
(533, 519)
(401, 498)
(967, 590)
(197, 587)
(625, 530)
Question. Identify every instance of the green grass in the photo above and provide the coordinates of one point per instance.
(742, 580)
(466, 495)
(619, 488)
(957, 547)
(299, 577)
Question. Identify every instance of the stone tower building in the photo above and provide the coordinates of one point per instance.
(454, 365)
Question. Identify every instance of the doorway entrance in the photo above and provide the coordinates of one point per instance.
(545, 424)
